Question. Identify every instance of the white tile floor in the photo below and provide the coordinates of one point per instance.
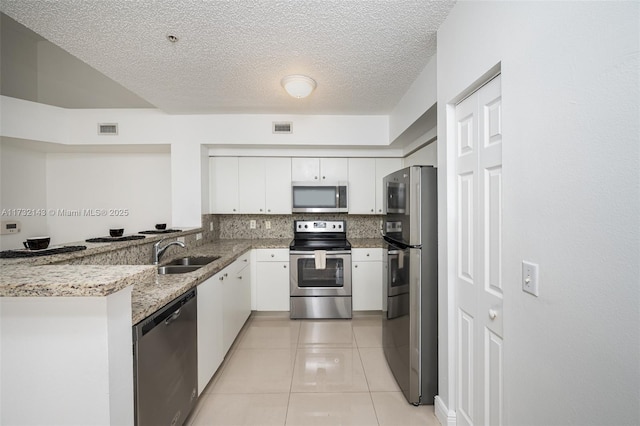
(307, 372)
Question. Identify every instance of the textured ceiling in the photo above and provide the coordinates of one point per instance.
(231, 55)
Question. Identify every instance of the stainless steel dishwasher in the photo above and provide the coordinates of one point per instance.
(165, 363)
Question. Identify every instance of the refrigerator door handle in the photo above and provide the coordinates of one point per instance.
(399, 245)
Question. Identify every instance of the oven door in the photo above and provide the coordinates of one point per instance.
(333, 280)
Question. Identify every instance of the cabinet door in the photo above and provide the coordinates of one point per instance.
(334, 170)
(229, 308)
(278, 185)
(362, 185)
(223, 175)
(272, 286)
(251, 185)
(384, 167)
(236, 299)
(210, 349)
(366, 280)
(305, 169)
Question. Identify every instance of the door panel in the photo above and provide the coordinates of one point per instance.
(479, 285)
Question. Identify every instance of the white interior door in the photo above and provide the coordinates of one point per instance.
(479, 288)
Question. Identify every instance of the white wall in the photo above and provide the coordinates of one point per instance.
(22, 186)
(571, 164)
(425, 156)
(139, 183)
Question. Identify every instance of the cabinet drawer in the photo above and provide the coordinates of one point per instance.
(366, 255)
(272, 255)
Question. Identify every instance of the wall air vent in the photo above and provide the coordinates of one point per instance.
(108, 129)
(282, 127)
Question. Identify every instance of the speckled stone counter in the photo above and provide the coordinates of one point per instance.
(47, 277)
(367, 243)
(70, 280)
(150, 295)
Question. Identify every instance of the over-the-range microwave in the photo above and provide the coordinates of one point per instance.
(320, 197)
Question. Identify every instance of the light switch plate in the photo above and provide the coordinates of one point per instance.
(252, 224)
(530, 278)
(198, 236)
(267, 224)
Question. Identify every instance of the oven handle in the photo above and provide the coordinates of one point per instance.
(310, 253)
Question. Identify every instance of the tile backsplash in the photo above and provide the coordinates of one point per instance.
(238, 225)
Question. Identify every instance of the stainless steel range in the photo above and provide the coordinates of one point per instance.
(320, 259)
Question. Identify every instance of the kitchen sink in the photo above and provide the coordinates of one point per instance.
(193, 261)
(177, 269)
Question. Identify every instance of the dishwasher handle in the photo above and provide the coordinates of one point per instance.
(174, 316)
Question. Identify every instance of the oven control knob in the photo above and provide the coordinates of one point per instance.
(306, 226)
(334, 227)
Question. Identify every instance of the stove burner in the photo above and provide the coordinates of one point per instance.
(320, 235)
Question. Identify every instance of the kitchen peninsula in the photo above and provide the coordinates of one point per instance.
(66, 326)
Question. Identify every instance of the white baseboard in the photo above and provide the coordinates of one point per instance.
(445, 416)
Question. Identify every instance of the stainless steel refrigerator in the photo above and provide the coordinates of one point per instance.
(410, 314)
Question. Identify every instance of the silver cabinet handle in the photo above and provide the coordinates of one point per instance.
(221, 278)
(226, 275)
(284, 266)
(240, 277)
(273, 255)
(493, 314)
(355, 266)
(367, 254)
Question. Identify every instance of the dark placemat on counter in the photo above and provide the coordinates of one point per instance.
(114, 239)
(9, 254)
(160, 231)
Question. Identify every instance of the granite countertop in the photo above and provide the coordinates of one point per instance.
(150, 295)
(31, 277)
(92, 248)
(367, 243)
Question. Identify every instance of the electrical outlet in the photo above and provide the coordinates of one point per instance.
(267, 224)
(252, 224)
(530, 278)
(210, 226)
(198, 236)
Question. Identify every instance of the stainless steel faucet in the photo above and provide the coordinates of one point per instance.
(158, 252)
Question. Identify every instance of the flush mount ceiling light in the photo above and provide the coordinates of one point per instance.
(298, 86)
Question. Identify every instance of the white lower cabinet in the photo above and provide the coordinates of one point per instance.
(236, 299)
(272, 279)
(224, 304)
(366, 279)
(210, 353)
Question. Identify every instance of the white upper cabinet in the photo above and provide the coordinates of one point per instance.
(278, 185)
(319, 170)
(384, 166)
(362, 188)
(223, 175)
(365, 183)
(251, 187)
(262, 185)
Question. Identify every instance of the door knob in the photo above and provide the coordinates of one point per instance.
(493, 314)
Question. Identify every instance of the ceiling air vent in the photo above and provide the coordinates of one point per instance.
(282, 127)
(108, 129)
